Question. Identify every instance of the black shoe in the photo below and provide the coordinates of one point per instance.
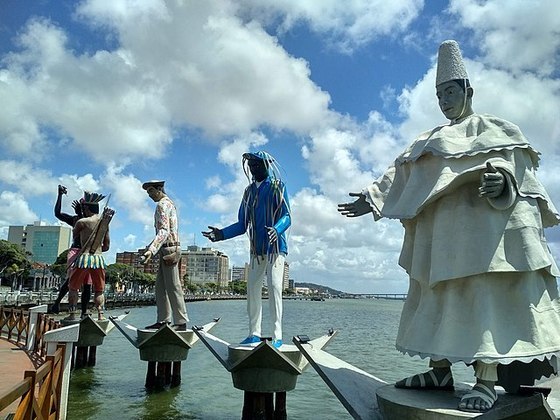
(180, 327)
(156, 326)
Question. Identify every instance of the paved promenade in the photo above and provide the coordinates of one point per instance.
(13, 363)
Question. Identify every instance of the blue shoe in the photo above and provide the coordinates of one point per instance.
(277, 343)
(251, 339)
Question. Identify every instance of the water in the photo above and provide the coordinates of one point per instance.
(367, 329)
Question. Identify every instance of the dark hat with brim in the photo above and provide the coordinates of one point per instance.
(155, 184)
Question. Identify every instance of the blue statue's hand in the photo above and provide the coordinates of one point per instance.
(272, 234)
(214, 234)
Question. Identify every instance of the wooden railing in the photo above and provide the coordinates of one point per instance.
(14, 325)
(39, 391)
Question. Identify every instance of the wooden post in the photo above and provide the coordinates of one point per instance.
(176, 374)
(92, 356)
(73, 358)
(247, 406)
(280, 412)
(161, 372)
(151, 375)
(258, 406)
(269, 405)
(81, 357)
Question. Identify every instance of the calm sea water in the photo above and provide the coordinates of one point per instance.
(114, 388)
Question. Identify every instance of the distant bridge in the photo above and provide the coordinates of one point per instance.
(389, 296)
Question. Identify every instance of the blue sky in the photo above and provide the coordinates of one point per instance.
(104, 95)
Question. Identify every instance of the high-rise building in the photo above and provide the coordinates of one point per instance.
(206, 265)
(132, 258)
(45, 243)
(240, 273)
(286, 277)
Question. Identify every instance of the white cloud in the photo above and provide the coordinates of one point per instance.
(14, 210)
(514, 35)
(130, 240)
(213, 182)
(176, 64)
(347, 25)
(26, 178)
(127, 194)
(32, 180)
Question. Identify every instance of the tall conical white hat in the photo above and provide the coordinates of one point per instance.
(450, 64)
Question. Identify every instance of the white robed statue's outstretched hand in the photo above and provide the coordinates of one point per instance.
(355, 208)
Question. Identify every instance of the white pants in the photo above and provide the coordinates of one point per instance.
(273, 268)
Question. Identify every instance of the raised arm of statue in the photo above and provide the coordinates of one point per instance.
(64, 217)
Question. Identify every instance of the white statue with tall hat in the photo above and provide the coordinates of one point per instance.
(486, 295)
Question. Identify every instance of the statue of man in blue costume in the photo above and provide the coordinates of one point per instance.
(482, 287)
(264, 214)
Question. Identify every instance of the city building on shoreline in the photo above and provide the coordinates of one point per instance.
(206, 265)
(199, 266)
(45, 243)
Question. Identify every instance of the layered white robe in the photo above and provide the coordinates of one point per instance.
(482, 279)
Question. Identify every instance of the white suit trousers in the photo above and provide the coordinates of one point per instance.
(273, 268)
(170, 300)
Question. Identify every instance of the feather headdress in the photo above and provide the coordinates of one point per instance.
(92, 197)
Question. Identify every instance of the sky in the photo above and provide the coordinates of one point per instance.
(104, 95)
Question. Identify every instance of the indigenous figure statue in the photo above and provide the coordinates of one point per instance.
(264, 214)
(74, 249)
(92, 232)
(170, 300)
(482, 279)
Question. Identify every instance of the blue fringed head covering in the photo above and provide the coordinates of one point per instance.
(270, 163)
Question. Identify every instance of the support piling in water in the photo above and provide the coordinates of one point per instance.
(263, 372)
(151, 375)
(92, 357)
(176, 374)
(91, 335)
(163, 374)
(164, 350)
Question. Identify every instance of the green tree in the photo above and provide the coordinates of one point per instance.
(144, 279)
(239, 287)
(116, 273)
(14, 261)
(193, 288)
(126, 274)
(60, 265)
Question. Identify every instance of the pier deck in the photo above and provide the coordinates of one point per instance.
(14, 361)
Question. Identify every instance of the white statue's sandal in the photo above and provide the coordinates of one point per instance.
(486, 395)
(427, 380)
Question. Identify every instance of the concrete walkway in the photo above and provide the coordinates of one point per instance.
(13, 363)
